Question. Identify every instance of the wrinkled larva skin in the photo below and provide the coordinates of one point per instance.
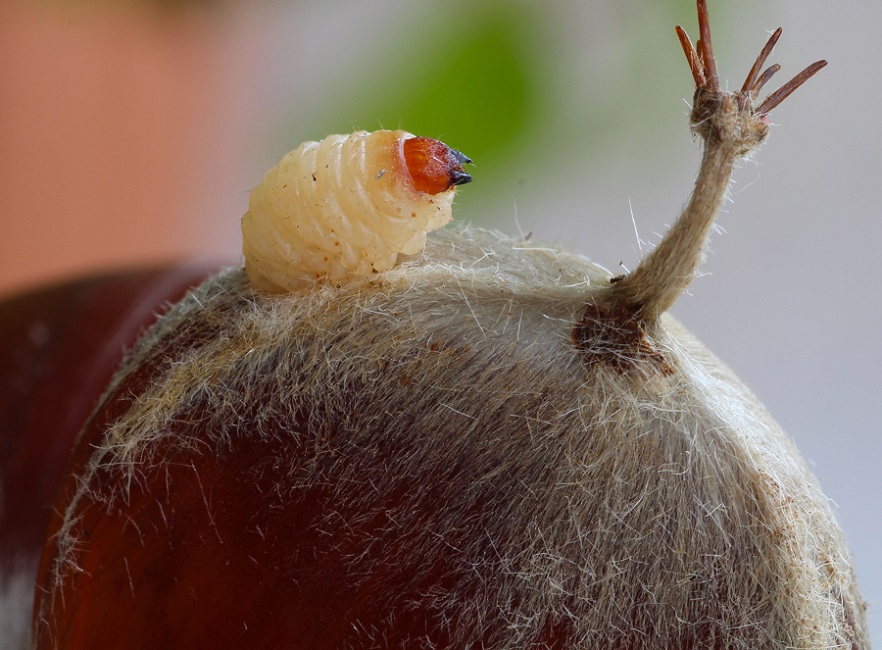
(342, 207)
(447, 469)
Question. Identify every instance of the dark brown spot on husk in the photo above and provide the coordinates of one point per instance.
(618, 338)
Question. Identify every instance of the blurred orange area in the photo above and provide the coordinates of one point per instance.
(108, 137)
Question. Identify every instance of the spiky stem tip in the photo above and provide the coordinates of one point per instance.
(732, 125)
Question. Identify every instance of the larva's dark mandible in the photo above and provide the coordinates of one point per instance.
(346, 207)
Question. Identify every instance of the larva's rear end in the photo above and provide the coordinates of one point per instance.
(342, 208)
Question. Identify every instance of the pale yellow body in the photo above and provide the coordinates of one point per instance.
(336, 209)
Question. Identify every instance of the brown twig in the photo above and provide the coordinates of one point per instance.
(732, 126)
(705, 47)
(692, 57)
(784, 91)
(703, 66)
(761, 61)
(757, 86)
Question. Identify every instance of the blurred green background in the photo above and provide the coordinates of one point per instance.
(196, 99)
(530, 90)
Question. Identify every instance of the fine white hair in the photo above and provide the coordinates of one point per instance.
(565, 487)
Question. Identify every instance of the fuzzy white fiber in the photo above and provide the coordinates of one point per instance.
(566, 485)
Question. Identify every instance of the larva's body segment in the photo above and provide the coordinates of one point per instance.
(344, 207)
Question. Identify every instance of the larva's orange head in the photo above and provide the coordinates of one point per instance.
(433, 166)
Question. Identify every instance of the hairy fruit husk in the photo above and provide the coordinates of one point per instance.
(429, 459)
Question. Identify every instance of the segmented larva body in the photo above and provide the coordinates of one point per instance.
(346, 207)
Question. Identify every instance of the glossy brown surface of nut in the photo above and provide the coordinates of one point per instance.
(59, 347)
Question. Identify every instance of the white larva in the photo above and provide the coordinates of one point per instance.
(347, 207)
